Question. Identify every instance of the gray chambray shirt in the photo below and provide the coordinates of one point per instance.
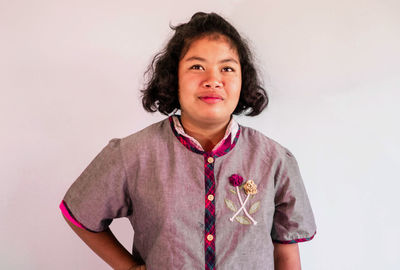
(151, 178)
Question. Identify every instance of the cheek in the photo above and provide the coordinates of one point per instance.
(185, 94)
(235, 88)
(187, 81)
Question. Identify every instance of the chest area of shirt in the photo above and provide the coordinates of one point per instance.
(180, 186)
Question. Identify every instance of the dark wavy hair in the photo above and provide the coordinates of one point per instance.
(161, 89)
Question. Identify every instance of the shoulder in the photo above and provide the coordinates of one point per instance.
(144, 139)
(152, 132)
(255, 140)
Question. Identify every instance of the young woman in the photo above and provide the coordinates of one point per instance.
(201, 191)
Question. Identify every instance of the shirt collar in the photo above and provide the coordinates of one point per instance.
(232, 129)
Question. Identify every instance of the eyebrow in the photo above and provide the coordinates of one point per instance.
(227, 60)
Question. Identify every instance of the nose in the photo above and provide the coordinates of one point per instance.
(212, 80)
(213, 83)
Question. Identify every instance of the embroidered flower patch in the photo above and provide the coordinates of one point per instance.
(250, 189)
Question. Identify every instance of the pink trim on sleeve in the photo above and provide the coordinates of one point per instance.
(67, 215)
(296, 240)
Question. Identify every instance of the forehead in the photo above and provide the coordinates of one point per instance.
(209, 43)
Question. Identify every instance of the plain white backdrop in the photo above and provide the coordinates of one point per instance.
(70, 74)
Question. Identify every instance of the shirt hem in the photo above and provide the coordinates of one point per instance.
(294, 241)
(68, 215)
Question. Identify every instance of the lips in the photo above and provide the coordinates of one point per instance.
(211, 98)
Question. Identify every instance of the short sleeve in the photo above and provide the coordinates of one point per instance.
(293, 219)
(100, 193)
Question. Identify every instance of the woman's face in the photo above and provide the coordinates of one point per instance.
(209, 81)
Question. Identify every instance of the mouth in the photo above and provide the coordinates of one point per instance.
(211, 99)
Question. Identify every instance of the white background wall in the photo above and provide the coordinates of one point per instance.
(69, 78)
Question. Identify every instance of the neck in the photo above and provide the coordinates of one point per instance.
(207, 134)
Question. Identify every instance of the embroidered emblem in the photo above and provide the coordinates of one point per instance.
(250, 189)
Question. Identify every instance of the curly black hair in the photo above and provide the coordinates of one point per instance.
(161, 90)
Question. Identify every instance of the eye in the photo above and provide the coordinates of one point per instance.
(197, 67)
(228, 69)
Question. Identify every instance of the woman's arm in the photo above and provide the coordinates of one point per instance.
(108, 248)
(286, 257)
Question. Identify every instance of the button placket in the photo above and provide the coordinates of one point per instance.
(209, 161)
(209, 213)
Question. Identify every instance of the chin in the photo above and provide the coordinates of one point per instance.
(214, 118)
